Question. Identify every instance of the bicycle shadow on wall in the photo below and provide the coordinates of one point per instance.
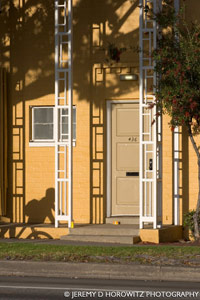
(40, 211)
(37, 212)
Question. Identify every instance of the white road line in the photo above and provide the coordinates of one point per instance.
(31, 287)
(64, 288)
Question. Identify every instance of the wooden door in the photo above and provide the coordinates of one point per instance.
(125, 159)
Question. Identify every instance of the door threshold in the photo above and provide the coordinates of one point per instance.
(123, 219)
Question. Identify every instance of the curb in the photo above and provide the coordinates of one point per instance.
(101, 271)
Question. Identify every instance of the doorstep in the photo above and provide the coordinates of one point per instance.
(104, 233)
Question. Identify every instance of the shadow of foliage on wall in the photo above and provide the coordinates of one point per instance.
(27, 42)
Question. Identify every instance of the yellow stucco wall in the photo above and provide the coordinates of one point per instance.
(29, 56)
(30, 59)
(167, 172)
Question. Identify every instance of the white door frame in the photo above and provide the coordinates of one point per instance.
(109, 149)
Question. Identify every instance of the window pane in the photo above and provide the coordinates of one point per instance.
(43, 115)
(43, 131)
(64, 120)
(74, 131)
(43, 123)
(74, 115)
(65, 129)
(65, 111)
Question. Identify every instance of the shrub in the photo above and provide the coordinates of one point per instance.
(188, 221)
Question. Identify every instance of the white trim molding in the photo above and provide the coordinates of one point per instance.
(176, 149)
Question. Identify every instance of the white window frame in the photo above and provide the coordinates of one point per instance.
(46, 142)
(32, 125)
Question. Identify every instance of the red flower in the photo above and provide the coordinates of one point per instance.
(193, 105)
(187, 114)
(174, 101)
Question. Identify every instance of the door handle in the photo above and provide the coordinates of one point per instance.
(150, 164)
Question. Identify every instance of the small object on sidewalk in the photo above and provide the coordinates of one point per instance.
(116, 222)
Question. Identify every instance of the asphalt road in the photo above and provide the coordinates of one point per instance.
(14, 287)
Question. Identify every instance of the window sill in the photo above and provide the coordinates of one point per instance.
(46, 144)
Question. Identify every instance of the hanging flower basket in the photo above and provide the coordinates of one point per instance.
(113, 53)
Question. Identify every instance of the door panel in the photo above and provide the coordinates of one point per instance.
(125, 125)
(125, 159)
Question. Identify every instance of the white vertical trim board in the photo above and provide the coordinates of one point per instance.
(176, 159)
(150, 138)
(63, 99)
(109, 147)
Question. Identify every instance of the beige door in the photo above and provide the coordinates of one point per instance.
(125, 159)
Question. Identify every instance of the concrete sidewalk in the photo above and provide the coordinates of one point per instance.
(64, 242)
(101, 271)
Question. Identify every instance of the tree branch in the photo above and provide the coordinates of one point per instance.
(193, 143)
(196, 214)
